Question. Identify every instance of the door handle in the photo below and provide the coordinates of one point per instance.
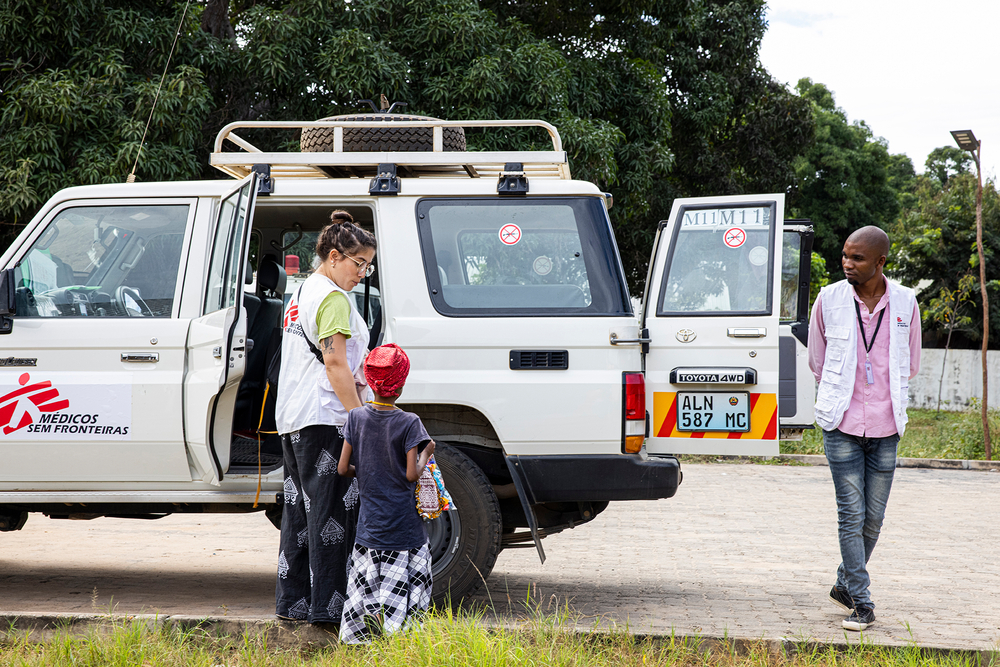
(615, 340)
(141, 357)
(746, 332)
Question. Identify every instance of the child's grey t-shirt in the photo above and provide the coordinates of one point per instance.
(379, 441)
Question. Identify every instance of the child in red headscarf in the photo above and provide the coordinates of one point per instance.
(389, 575)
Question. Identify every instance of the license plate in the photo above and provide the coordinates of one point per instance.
(713, 411)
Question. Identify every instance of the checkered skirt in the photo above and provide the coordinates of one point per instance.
(384, 590)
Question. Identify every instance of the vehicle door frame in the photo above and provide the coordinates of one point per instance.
(798, 330)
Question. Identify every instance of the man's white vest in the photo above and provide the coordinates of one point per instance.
(305, 396)
(841, 361)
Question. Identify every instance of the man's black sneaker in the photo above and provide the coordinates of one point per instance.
(862, 616)
(841, 598)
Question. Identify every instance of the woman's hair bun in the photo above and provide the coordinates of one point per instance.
(342, 235)
(341, 216)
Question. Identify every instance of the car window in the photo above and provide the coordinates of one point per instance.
(104, 261)
(790, 255)
(514, 257)
(719, 262)
(224, 267)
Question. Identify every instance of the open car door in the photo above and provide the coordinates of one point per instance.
(797, 388)
(217, 340)
(711, 314)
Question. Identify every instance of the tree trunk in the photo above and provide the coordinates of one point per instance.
(215, 20)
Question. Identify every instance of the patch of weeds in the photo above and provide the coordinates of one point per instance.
(929, 435)
(811, 443)
(550, 634)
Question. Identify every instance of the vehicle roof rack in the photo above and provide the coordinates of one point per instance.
(423, 164)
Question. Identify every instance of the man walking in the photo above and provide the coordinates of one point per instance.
(864, 346)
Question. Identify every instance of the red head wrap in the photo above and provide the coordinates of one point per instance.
(386, 369)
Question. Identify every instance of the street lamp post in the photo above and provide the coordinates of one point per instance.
(967, 141)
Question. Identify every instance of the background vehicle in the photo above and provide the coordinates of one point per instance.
(138, 321)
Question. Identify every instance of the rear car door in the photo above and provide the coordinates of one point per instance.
(797, 389)
(216, 346)
(711, 314)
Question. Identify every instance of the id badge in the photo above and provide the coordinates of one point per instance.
(868, 372)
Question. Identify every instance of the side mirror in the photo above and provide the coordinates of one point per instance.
(8, 306)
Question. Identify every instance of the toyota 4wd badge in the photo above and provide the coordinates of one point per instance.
(686, 335)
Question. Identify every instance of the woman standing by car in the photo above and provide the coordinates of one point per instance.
(324, 343)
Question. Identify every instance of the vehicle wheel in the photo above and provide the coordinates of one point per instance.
(464, 542)
(365, 139)
(11, 520)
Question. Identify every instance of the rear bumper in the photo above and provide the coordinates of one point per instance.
(594, 478)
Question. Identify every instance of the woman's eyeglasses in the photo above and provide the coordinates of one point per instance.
(363, 267)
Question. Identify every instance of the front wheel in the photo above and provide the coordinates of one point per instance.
(12, 519)
(465, 542)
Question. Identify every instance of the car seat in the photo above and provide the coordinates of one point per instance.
(271, 280)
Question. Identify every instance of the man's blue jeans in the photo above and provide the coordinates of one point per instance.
(862, 471)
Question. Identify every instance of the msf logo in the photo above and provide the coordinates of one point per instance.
(25, 406)
(292, 314)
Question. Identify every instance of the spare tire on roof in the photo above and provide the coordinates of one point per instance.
(376, 139)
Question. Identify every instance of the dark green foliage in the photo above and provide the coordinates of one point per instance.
(936, 240)
(713, 121)
(654, 99)
(947, 161)
(846, 179)
(77, 81)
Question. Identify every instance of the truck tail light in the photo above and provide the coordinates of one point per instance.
(634, 417)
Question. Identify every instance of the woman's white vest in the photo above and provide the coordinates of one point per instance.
(841, 361)
(305, 396)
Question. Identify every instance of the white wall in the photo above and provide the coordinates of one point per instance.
(963, 379)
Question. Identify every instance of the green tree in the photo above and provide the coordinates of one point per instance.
(846, 179)
(819, 277)
(654, 99)
(714, 123)
(76, 92)
(77, 82)
(947, 161)
(947, 309)
(935, 240)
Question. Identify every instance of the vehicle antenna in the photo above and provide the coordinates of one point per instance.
(131, 176)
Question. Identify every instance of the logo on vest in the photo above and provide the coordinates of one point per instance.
(292, 314)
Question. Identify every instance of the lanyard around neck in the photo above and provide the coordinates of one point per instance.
(868, 346)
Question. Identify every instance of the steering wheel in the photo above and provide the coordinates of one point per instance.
(131, 294)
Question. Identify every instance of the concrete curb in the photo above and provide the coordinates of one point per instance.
(278, 634)
(936, 464)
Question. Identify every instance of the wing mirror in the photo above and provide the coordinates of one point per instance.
(8, 306)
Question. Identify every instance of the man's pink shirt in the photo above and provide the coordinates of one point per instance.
(870, 412)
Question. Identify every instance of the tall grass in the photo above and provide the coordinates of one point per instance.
(447, 638)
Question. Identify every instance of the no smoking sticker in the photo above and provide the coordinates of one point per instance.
(542, 265)
(734, 237)
(510, 234)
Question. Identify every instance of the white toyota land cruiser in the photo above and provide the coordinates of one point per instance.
(137, 319)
